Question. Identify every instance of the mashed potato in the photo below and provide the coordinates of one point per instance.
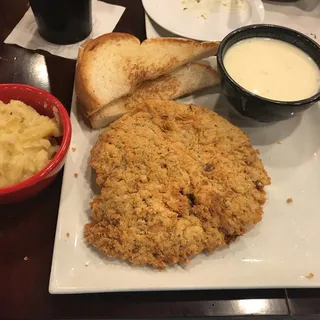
(25, 146)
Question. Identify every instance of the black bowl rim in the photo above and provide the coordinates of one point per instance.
(312, 99)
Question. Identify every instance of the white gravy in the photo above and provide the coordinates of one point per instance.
(273, 69)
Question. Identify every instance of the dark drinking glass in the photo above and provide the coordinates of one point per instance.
(63, 21)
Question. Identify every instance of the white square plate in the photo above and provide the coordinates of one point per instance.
(279, 252)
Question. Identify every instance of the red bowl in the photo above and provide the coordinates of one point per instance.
(44, 103)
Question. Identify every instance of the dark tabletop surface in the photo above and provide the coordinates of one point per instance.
(28, 228)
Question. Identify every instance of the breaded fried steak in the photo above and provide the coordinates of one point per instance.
(176, 179)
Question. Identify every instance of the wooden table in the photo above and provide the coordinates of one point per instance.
(28, 228)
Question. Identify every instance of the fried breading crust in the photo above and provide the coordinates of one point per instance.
(176, 179)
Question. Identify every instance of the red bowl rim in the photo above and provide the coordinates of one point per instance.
(58, 157)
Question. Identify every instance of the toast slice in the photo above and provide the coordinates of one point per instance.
(183, 81)
(113, 65)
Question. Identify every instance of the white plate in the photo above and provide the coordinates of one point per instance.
(279, 252)
(206, 20)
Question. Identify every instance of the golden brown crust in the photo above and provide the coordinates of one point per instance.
(169, 88)
(93, 44)
(181, 41)
(187, 79)
(176, 180)
(85, 95)
(135, 66)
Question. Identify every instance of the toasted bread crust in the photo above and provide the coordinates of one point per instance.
(132, 62)
(84, 94)
(181, 42)
(185, 80)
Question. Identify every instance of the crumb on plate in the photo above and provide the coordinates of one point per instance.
(310, 275)
(76, 175)
(68, 234)
(313, 35)
(259, 185)
(289, 200)
(278, 142)
(73, 149)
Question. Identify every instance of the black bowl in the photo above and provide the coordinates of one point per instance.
(249, 104)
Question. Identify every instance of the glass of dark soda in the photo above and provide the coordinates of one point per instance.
(63, 21)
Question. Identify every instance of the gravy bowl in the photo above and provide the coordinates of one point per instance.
(250, 104)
